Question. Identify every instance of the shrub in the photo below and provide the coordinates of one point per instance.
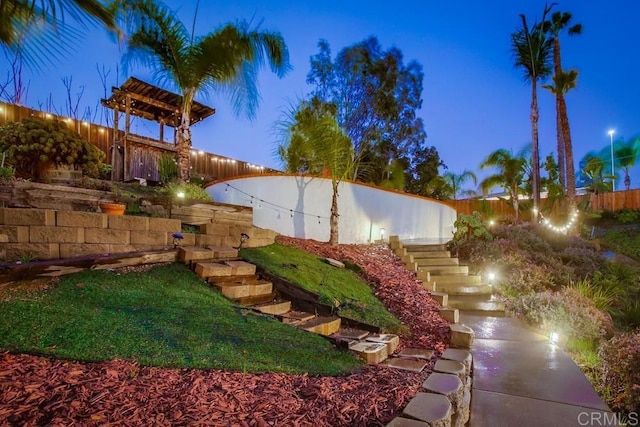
(190, 191)
(627, 216)
(621, 362)
(624, 242)
(575, 315)
(6, 172)
(167, 168)
(33, 145)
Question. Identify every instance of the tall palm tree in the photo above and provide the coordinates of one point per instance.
(226, 60)
(563, 82)
(532, 52)
(315, 144)
(457, 180)
(510, 174)
(560, 22)
(23, 20)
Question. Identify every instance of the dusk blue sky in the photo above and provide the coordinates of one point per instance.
(474, 100)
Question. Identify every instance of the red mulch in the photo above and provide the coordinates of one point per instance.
(41, 391)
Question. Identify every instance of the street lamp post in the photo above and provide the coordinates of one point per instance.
(613, 178)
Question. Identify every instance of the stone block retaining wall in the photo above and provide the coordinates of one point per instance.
(51, 234)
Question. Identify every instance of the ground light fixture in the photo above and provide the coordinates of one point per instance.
(180, 194)
(491, 276)
(554, 337)
(382, 231)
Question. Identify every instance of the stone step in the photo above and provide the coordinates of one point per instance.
(372, 352)
(236, 278)
(462, 336)
(459, 355)
(211, 269)
(406, 422)
(194, 253)
(441, 298)
(451, 315)
(392, 341)
(429, 254)
(235, 290)
(454, 289)
(413, 365)
(274, 307)
(416, 353)
(241, 268)
(459, 279)
(294, 317)
(223, 252)
(424, 248)
(321, 325)
(425, 262)
(434, 409)
(444, 269)
(452, 367)
(350, 334)
(256, 299)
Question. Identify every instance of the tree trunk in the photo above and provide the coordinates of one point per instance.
(183, 138)
(535, 152)
(333, 221)
(560, 134)
(568, 148)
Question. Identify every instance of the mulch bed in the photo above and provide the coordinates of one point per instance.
(41, 391)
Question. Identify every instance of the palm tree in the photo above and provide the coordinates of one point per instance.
(456, 181)
(532, 52)
(510, 174)
(314, 143)
(626, 154)
(563, 82)
(21, 20)
(559, 22)
(226, 60)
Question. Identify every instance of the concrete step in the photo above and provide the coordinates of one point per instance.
(483, 303)
(274, 307)
(321, 325)
(429, 254)
(223, 252)
(236, 278)
(448, 385)
(294, 317)
(350, 334)
(235, 290)
(425, 262)
(444, 269)
(441, 298)
(424, 248)
(256, 299)
(392, 341)
(455, 278)
(463, 289)
(451, 315)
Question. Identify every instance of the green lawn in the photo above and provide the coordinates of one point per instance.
(165, 316)
(342, 287)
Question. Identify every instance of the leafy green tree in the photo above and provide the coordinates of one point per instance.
(563, 82)
(315, 144)
(226, 60)
(439, 188)
(592, 172)
(34, 145)
(626, 154)
(532, 51)
(509, 175)
(23, 20)
(422, 170)
(377, 97)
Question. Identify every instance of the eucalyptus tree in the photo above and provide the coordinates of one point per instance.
(532, 49)
(314, 143)
(37, 27)
(510, 171)
(559, 23)
(377, 97)
(562, 83)
(226, 60)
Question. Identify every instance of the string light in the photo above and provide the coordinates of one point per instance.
(291, 211)
(573, 217)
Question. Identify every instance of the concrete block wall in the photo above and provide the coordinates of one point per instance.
(49, 234)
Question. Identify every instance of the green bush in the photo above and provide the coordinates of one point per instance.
(190, 191)
(7, 172)
(167, 168)
(621, 362)
(34, 145)
(627, 216)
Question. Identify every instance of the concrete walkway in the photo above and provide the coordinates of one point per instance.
(520, 379)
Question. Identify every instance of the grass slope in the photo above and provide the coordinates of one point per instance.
(338, 287)
(165, 316)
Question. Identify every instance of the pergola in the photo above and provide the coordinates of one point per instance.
(141, 99)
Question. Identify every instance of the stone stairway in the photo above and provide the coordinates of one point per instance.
(449, 282)
(237, 280)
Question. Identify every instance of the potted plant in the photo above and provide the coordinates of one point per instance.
(112, 208)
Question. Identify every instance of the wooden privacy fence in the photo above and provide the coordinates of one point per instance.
(612, 201)
(143, 153)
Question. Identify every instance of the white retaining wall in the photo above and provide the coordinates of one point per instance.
(299, 206)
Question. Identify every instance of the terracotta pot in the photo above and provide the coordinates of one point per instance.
(112, 208)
